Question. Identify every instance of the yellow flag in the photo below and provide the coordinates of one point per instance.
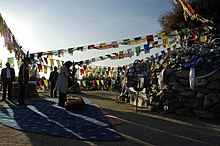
(161, 35)
(166, 43)
(203, 39)
(52, 62)
(174, 47)
(46, 83)
(97, 81)
(45, 69)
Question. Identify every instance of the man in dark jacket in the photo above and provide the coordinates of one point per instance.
(53, 79)
(7, 76)
(23, 79)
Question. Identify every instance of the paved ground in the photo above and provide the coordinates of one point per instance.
(137, 128)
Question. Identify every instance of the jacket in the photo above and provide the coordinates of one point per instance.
(4, 74)
(62, 81)
(23, 75)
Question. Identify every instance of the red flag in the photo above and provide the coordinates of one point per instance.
(150, 38)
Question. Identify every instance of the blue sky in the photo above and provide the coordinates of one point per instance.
(41, 25)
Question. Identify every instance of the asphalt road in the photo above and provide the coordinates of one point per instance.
(137, 128)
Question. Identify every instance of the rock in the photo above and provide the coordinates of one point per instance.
(174, 104)
(217, 106)
(204, 91)
(182, 111)
(173, 83)
(184, 82)
(210, 100)
(181, 98)
(188, 94)
(182, 74)
(215, 76)
(178, 88)
(168, 72)
(201, 83)
(218, 96)
(214, 85)
(204, 114)
(169, 95)
(200, 95)
(201, 73)
(204, 51)
(193, 103)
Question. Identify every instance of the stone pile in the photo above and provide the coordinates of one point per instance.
(176, 94)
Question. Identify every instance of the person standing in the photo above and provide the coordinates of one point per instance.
(23, 79)
(53, 79)
(7, 76)
(62, 83)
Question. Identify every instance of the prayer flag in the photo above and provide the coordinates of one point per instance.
(146, 48)
(163, 52)
(138, 50)
(121, 54)
(45, 69)
(70, 51)
(150, 38)
(203, 39)
(11, 61)
(40, 68)
(166, 43)
(45, 59)
(52, 62)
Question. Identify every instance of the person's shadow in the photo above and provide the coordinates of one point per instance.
(46, 117)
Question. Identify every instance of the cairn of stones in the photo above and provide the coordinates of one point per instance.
(176, 93)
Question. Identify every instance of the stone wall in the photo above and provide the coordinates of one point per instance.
(176, 94)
